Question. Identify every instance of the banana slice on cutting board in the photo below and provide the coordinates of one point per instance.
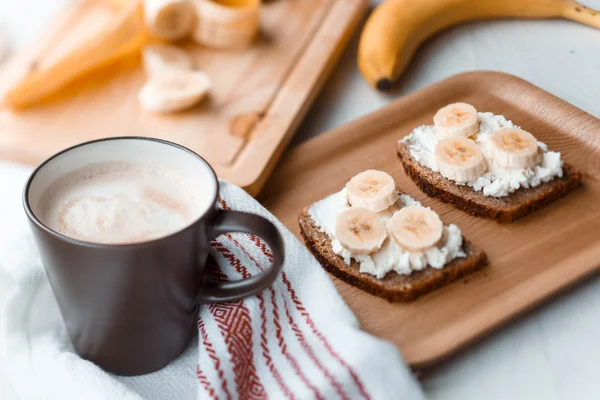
(227, 24)
(372, 189)
(359, 230)
(514, 148)
(169, 19)
(457, 119)
(416, 228)
(159, 58)
(459, 159)
(174, 91)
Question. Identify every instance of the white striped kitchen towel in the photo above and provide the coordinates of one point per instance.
(296, 340)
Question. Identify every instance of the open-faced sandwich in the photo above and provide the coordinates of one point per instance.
(373, 236)
(484, 164)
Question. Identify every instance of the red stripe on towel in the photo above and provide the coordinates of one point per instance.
(285, 352)
(235, 324)
(265, 349)
(205, 383)
(311, 324)
(213, 356)
(300, 307)
(234, 261)
(313, 357)
(296, 329)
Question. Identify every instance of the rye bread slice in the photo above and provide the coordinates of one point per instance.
(504, 209)
(393, 287)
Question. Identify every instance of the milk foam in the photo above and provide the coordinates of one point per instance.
(122, 202)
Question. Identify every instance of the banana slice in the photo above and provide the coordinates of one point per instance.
(459, 159)
(359, 230)
(457, 119)
(416, 228)
(372, 189)
(158, 58)
(174, 91)
(169, 19)
(228, 24)
(514, 148)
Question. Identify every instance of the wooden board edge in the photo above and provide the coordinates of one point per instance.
(254, 179)
(425, 354)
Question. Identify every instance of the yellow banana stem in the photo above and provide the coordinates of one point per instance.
(580, 13)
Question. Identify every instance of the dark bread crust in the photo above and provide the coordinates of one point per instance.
(393, 287)
(504, 209)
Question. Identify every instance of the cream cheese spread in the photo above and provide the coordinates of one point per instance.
(496, 181)
(390, 257)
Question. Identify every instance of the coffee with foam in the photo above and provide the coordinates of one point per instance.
(121, 202)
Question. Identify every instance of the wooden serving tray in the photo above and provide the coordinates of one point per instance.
(258, 99)
(530, 260)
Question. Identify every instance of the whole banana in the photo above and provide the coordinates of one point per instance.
(396, 28)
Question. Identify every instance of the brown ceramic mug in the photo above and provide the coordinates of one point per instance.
(130, 308)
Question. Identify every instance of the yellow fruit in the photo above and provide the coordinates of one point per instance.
(126, 36)
(459, 159)
(416, 228)
(514, 148)
(359, 230)
(396, 28)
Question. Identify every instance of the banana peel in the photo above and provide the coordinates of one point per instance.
(126, 36)
(396, 28)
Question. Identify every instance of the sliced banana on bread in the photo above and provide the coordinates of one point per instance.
(458, 119)
(372, 189)
(373, 236)
(484, 164)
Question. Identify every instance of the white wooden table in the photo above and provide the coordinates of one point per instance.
(551, 353)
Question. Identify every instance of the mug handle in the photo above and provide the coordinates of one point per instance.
(227, 221)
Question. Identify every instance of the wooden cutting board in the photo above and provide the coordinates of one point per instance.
(258, 99)
(530, 260)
